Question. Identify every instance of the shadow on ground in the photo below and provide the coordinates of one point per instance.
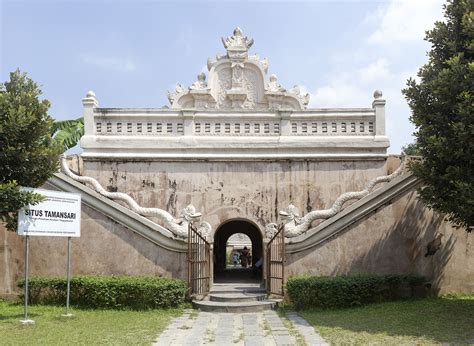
(237, 275)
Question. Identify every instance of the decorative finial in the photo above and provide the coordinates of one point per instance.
(273, 85)
(90, 100)
(90, 93)
(378, 94)
(237, 41)
(200, 83)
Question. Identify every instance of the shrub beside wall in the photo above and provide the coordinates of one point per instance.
(135, 292)
(354, 290)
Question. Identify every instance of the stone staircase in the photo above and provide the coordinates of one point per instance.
(237, 297)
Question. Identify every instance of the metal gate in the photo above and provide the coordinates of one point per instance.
(276, 263)
(199, 264)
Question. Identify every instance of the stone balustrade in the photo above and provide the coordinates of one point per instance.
(343, 122)
(167, 133)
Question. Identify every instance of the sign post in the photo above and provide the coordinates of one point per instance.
(59, 215)
(25, 319)
(67, 314)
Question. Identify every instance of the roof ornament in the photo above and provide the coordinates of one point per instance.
(201, 83)
(236, 81)
(297, 92)
(237, 45)
(273, 85)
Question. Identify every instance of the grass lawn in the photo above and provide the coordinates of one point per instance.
(117, 327)
(426, 321)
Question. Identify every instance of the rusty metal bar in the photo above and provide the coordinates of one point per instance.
(275, 263)
(198, 263)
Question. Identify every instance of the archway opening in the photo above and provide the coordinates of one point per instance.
(238, 246)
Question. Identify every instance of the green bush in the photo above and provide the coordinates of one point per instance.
(134, 292)
(353, 290)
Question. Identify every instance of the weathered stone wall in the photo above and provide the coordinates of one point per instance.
(105, 247)
(394, 240)
(254, 191)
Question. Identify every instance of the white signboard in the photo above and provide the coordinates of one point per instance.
(58, 215)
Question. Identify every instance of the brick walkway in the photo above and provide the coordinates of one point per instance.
(260, 328)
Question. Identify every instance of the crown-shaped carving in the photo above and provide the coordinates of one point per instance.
(237, 81)
(237, 41)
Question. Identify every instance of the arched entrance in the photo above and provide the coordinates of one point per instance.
(224, 269)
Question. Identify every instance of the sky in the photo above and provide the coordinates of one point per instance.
(131, 52)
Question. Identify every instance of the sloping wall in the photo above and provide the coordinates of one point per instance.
(105, 247)
(394, 240)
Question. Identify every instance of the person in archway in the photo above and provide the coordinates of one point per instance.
(257, 268)
(235, 258)
(244, 254)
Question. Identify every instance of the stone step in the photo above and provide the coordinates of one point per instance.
(237, 297)
(237, 288)
(234, 307)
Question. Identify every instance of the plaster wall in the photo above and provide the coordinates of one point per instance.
(394, 240)
(255, 191)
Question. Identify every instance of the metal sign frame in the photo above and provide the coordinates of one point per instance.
(59, 215)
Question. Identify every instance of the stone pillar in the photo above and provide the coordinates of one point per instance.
(211, 264)
(285, 124)
(188, 122)
(379, 106)
(265, 264)
(89, 102)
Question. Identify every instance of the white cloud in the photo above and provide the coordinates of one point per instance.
(391, 51)
(339, 95)
(374, 72)
(404, 21)
(112, 63)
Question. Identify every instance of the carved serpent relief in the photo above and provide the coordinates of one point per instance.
(296, 225)
(179, 227)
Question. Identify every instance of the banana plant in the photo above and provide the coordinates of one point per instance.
(68, 132)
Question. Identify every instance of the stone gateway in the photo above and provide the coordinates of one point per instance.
(237, 153)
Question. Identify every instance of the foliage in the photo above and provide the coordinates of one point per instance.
(136, 292)
(28, 154)
(431, 321)
(346, 291)
(411, 149)
(68, 132)
(85, 327)
(11, 198)
(442, 107)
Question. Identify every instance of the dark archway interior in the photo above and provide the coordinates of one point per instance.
(223, 274)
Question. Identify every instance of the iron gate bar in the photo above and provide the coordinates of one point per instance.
(198, 263)
(276, 263)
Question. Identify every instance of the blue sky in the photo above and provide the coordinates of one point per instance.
(131, 52)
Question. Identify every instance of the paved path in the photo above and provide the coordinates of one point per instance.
(260, 328)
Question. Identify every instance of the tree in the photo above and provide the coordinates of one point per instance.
(442, 110)
(28, 154)
(411, 149)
